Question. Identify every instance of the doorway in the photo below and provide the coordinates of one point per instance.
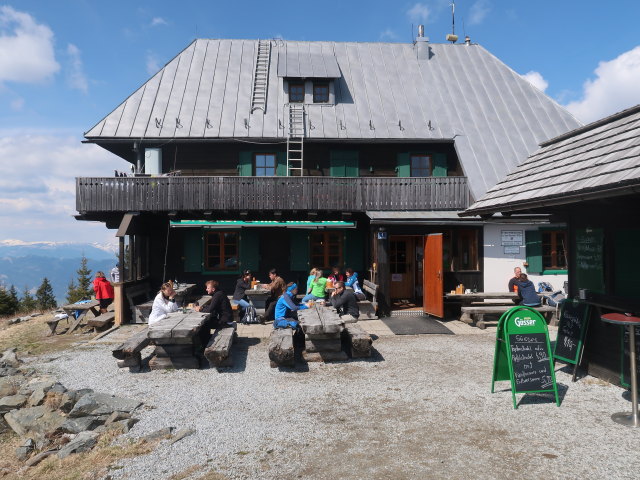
(405, 263)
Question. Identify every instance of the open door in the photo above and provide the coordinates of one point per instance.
(432, 284)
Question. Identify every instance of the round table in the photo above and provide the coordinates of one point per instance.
(624, 418)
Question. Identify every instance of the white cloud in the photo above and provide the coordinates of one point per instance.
(37, 186)
(419, 13)
(76, 77)
(158, 21)
(479, 11)
(26, 48)
(536, 79)
(17, 104)
(614, 88)
(388, 34)
(153, 63)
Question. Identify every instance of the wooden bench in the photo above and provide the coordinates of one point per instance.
(128, 353)
(368, 308)
(475, 314)
(102, 322)
(281, 352)
(140, 301)
(218, 350)
(359, 341)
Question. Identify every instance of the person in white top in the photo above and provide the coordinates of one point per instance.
(165, 302)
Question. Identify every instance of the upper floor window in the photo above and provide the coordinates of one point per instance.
(420, 165)
(554, 252)
(265, 164)
(320, 92)
(296, 92)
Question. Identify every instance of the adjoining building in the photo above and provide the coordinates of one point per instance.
(590, 179)
(254, 154)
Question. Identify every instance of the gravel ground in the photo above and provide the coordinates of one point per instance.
(421, 408)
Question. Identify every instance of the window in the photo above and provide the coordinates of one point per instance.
(420, 165)
(554, 250)
(326, 249)
(221, 251)
(265, 164)
(467, 250)
(320, 92)
(398, 256)
(296, 92)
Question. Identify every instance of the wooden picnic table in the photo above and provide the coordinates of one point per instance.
(179, 339)
(258, 297)
(469, 298)
(83, 308)
(322, 327)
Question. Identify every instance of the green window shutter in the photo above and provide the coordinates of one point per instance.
(337, 168)
(354, 250)
(249, 249)
(192, 249)
(281, 167)
(351, 167)
(533, 241)
(439, 165)
(245, 164)
(344, 163)
(404, 165)
(299, 247)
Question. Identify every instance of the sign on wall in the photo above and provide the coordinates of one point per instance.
(509, 250)
(512, 238)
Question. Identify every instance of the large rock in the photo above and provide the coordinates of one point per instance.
(82, 443)
(81, 424)
(8, 371)
(35, 460)
(102, 404)
(34, 421)
(24, 450)
(9, 358)
(12, 402)
(10, 385)
(44, 383)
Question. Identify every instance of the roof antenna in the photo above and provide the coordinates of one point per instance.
(452, 37)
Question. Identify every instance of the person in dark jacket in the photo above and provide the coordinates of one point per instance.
(527, 292)
(345, 302)
(219, 307)
(243, 283)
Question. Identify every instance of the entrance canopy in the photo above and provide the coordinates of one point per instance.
(420, 218)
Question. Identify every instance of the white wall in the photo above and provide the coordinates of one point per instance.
(498, 266)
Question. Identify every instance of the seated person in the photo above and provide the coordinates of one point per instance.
(335, 276)
(243, 283)
(513, 280)
(352, 281)
(527, 292)
(286, 308)
(219, 307)
(164, 303)
(317, 288)
(345, 302)
(277, 287)
(310, 278)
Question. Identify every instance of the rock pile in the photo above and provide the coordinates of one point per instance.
(51, 419)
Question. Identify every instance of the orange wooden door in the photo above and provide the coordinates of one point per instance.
(433, 276)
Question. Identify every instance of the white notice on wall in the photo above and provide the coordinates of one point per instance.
(511, 250)
(511, 238)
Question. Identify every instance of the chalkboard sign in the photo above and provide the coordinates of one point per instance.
(522, 346)
(574, 318)
(531, 363)
(589, 254)
(625, 376)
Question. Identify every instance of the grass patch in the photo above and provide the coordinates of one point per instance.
(82, 466)
(31, 336)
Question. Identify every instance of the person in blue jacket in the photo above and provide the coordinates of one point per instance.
(527, 292)
(286, 307)
(352, 281)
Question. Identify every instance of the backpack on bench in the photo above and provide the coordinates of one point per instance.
(250, 315)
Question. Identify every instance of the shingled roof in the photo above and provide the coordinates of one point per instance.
(598, 160)
(460, 93)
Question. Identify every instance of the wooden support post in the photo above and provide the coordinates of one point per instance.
(384, 273)
(118, 303)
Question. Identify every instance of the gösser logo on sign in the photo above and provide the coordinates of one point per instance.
(524, 322)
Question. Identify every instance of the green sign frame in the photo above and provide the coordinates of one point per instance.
(523, 337)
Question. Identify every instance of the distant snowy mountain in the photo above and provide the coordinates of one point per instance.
(25, 264)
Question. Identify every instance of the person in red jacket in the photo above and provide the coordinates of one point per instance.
(104, 291)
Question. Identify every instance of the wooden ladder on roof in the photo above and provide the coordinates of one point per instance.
(295, 140)
(261, 77)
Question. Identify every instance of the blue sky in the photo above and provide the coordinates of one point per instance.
(66, 64)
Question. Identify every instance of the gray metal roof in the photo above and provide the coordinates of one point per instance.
(599, 159)
(307, 60)
(383, 93)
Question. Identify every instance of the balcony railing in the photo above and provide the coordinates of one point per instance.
(158, 194)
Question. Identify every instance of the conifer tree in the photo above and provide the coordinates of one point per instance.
(27, 302)
(72, 292)
(45, 300)
(5, 302)
(14, 302)
(84, 290)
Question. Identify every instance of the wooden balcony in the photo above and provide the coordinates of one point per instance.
(269, 194)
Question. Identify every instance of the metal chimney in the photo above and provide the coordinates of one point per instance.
(422, 44)
(420, 30)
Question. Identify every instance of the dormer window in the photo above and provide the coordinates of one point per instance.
(296, 92)
(320, 92)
